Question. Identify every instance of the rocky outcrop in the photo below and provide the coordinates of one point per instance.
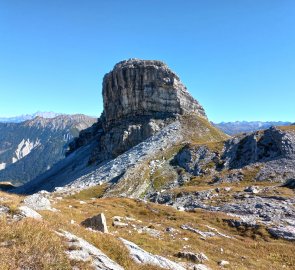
(260, 147)
(263, 155)
(38, 201)
(81, 250)
(141, 256)
(97, 222)
(145, 88)
(140, 98)
(128, 174)
(146, 111)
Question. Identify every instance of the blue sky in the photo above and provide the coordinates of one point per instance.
(237, 57)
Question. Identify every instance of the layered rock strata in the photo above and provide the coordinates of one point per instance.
(140, 98)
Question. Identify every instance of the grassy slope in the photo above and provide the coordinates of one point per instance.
(251, 249)
(196, 131)
(34, 244)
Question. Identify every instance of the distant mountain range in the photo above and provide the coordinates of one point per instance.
(232, 128)
(25, 117)
(31, 147)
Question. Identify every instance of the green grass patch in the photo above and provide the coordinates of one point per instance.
(93, 192)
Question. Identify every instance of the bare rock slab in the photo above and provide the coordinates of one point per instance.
(38, 201)
(141, 256)
(28, 212)
(84, 251)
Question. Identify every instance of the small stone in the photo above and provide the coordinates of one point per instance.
(28, 212)
(3, 210)
(223, 263)
(97, 222)
(170, 230)
(119, 224)
(201, 267)
(194, 257)
(117, 218)
(252, 189)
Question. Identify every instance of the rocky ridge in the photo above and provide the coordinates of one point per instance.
(143, 100)
(140, 98)
(29, 148)
(180, 195)
(145, 88)
(238, 127)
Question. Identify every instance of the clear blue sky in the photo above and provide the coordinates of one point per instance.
(237, 57)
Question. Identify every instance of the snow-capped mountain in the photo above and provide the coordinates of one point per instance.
(25, 117)
(232, 128)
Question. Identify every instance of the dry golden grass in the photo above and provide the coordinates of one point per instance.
(199, 130)
(252, 245)
(29, 244)
(287, 128)
(36, 245)
(11, 201)
(93, 192)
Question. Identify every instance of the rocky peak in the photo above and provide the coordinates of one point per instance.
(140, 98)
(145, 88)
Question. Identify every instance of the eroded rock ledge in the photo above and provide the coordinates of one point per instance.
(143, 87)
(140, 98)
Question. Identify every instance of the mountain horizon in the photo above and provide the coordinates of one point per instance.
(147, 135)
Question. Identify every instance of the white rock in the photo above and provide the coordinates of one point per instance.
(252, 189)
(223, 263)
(180, 208)
(119, 224)
(143, 257)
(84, 251)
(3, 210)
(29, 212)
(117, 218)
(38, 201)
(201, 267)
(203, 234)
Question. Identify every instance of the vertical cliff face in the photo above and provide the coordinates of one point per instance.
(145, 88)
(140, 97)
